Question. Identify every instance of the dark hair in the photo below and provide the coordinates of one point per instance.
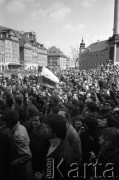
(67, 114)
(57, 123)
(92, 106)
(12, 117)
(111, 134)
(79, 118)
(111, 120)
(23, 115)
(9, 101)
(55, 99)
(91, 121)
(18, 100)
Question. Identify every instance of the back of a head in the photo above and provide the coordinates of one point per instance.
(32, 109)
(111, 120)
(11, 117)
(23, 115)
(9, 101)
(57, 123)
(18, 100)
(92, 106)
(111, 134)
(91, 121)
(54, 99)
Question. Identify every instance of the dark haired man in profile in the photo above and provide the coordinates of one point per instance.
(21, 163)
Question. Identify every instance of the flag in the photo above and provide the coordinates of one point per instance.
(47, 78)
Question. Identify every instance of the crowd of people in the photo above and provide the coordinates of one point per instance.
(67, 132)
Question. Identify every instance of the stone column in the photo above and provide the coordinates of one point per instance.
(116, 18)
(115, 51)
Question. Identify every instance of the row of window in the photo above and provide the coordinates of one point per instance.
(15, 45)
(42, 57)
(15, 53)
(91, 63)
(95, 55)
(34, 53)
(8, 42)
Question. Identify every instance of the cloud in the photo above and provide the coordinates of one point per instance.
(69, 28)
(18, 6)
(15, 6)
(48, 44)
(89, 3)
(59, 11)
(35, 15)
(2, 2)
(73, 29)
(27, 1)
(81, 26)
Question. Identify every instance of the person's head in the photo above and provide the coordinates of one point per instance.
(109, 138)
(36, 119)
(18, 101)
(79, 120)
(9, 101)
(55, 126)
(23, 115)
(54, 100)
(91, 122)
(11, 118)
(66, 114)
(92, 107)
(109, 120)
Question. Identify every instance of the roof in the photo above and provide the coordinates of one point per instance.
(53, 51)
(3, 28)
(22, 36)
(17, 33)
(97, 46)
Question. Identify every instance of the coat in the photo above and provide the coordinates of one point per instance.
(61, 158)
(75, 142)
(21, 167)
(39, 145)
(6, 149)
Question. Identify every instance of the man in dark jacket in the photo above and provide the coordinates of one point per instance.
(39, 142)
(6, 145)
(60, 156)
(21, 163)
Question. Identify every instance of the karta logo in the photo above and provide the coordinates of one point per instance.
(79, 171)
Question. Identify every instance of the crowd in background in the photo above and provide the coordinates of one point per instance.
(74, 126)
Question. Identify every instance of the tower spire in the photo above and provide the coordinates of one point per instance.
(82, 46)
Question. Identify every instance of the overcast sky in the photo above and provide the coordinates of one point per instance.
(61, 23)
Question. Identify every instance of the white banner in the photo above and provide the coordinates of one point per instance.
(48, 74)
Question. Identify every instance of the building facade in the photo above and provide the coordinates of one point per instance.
(100, 52)
(94, 55)
(25, 52)
(35, 54)
(2, 52)
(56, 59)
(9, 48)
(42, 55)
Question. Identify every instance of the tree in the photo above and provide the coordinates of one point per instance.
(75, 52)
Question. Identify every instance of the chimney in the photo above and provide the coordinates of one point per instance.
(116, 18)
